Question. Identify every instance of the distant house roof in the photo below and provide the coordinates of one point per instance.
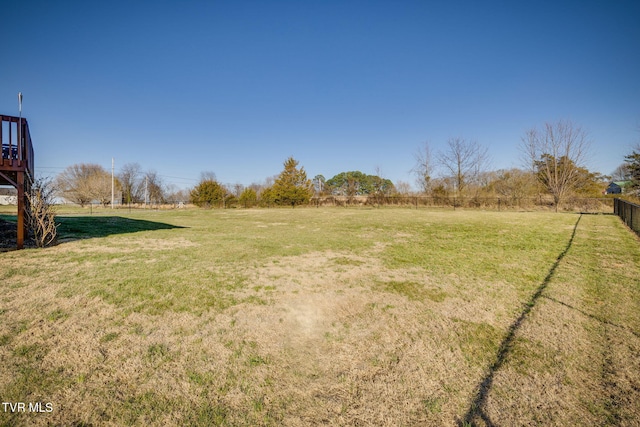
(617, 187)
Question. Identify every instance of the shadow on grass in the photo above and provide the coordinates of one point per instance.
(478, 408)
(87, 227)
(8, 232)
(72, 228)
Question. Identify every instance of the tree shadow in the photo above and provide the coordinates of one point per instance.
(478, 408)
(72, 228)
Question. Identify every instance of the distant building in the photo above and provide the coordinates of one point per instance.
(8, 196)
(617, 187)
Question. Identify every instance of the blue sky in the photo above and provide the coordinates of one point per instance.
(236, 87)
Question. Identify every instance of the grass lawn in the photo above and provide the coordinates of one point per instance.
(302, 317)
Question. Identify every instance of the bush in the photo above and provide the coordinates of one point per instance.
(248, 197)
(41, 216)
(208, 193)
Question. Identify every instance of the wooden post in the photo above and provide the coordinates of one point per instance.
(21, 207)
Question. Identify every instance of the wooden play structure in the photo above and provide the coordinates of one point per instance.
(16, 166)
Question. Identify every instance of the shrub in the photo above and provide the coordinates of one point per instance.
(41, 216)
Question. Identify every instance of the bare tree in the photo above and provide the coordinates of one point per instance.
(101, 187)
(464, 160)
(256, 187)
(237, 189)
(379, 189)
(83, 183)
(129, 178)
(423, 169)
(208, 176)
(176, 195)
(154, 187)
(319, 184)
(621, 173)
(557, 153)
(403, 188)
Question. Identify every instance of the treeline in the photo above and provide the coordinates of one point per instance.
(87, 183)
(556, 154)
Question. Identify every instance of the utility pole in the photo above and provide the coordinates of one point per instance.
(146, 190)
(112, 183)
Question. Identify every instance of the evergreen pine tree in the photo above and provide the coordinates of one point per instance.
(633, 164)
(292, 187)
